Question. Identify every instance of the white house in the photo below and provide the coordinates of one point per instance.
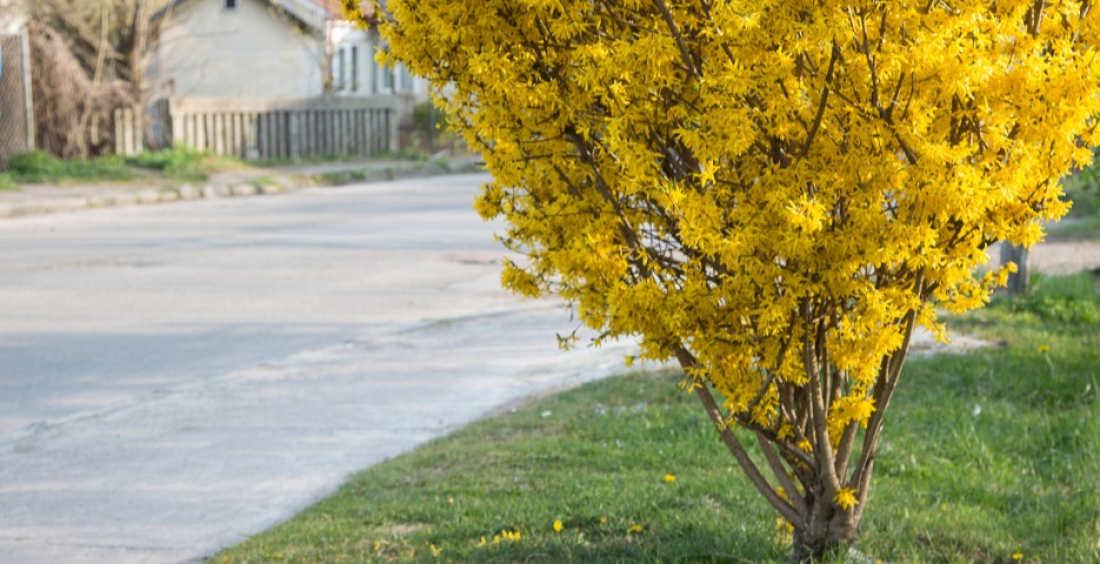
(356, 71)
(272, 48)
(239, 48)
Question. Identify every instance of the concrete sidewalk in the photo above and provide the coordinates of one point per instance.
(33, 199)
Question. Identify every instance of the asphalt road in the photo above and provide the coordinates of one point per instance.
(176, 378)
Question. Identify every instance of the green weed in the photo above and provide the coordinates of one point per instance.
(40, 166)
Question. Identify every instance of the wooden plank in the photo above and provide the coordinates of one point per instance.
(175, 135)
(369, 124)
(334, 132)
(261, 136)
(127, 131)
(392, 117)
(309, 138)
(233, 133)
(341, 132)
(239, 135)
(223, 137)
(346, 139)
(357, 119)
(250, 136)
(293, 117)
(200, 132)
(192, 130)
(278, 133)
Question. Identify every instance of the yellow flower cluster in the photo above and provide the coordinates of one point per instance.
(505, 535)
(773, 192)
(845, 498)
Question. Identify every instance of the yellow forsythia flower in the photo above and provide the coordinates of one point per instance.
(846, 498)
(664, 168)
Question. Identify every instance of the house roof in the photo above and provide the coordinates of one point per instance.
(313, 14)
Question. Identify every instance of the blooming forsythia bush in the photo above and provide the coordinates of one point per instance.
(773, 192)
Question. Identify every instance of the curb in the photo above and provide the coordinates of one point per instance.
(262, 184)
(119, 198)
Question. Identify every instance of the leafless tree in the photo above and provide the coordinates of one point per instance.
(90, 58)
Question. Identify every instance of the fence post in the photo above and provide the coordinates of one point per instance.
(295, 143)
(124, 131)
(28, 102)
(391, 117)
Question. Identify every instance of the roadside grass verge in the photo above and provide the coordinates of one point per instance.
(986, 456)
(183, 163)
(179, 163)
(40, 166)
(7, 183)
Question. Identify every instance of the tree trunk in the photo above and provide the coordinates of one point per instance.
(140, 37)
(829, 532)
(1017, 281)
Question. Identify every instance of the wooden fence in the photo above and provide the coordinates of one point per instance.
(265, 128)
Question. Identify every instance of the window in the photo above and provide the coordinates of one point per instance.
(406, 79)
(383, 77)
(341, 69)
(387, 79)
(354, 68)
(230, 4)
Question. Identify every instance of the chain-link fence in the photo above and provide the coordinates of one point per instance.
(16, 116)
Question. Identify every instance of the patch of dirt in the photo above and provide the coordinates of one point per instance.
(924, 344)
(1058, 257)
(400, 530)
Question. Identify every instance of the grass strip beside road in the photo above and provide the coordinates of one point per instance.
(178, 163)
(990, 456)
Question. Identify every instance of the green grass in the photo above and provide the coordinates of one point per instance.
(954, 484)
(1077, 228)
(7, 182)
(40, 166)
(182, 163)
(178, 163)
(1083, 190)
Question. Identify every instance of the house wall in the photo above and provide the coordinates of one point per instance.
(354, 61)
(208, 50)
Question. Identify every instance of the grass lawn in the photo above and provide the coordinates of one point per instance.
(986, 456)
(1077, 228)
(179, 163)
